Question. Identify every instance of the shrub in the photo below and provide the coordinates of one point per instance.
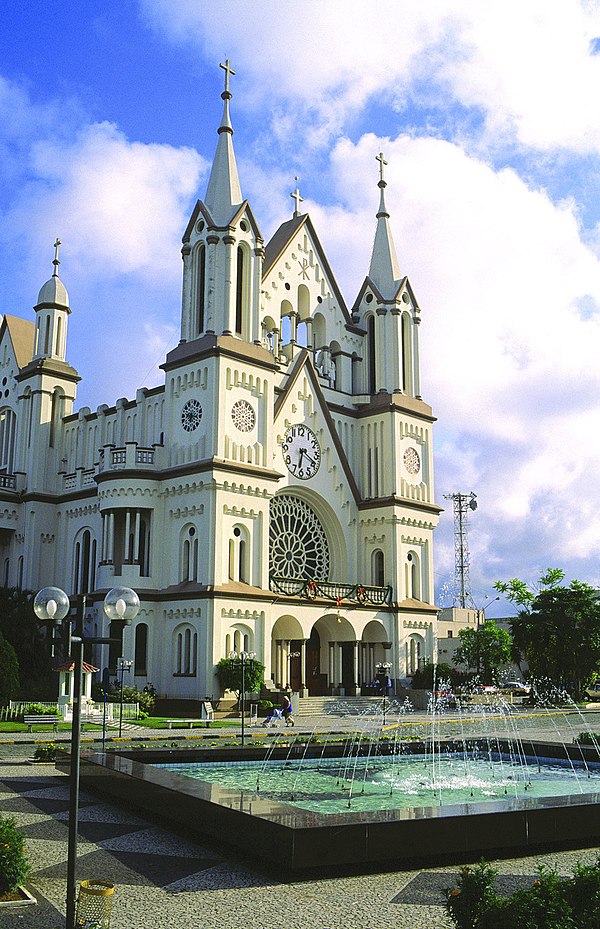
(587, 738)
(45, 752)
(14, 866)
(552, 902)
(36, 709)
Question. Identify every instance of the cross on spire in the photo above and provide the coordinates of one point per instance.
(56, 260)
(382, 162)
(228, 72)
(298, 199)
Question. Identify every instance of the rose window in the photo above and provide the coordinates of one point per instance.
(297, 542)
(243, 416)
(412, 462)
(191, 415)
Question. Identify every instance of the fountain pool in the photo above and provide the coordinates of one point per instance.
(514, 812)
(391, 782)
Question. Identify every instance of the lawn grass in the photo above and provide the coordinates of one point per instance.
(160, 722)
(15, 726)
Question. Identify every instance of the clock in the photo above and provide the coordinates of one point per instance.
(191, 415)
(301, 451)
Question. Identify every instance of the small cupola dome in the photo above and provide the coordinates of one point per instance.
(53, 292)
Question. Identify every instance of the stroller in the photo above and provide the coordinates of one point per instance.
(275, 719)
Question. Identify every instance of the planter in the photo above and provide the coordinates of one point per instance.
(18, 897)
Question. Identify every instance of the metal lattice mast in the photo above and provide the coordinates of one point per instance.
(462, 503)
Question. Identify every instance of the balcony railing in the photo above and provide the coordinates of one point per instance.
(331, 590)
(8, 482)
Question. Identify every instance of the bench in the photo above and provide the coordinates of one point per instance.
(190, 723)
(42, 719)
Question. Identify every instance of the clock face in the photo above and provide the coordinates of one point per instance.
(191, 415)
(301, 452)
(412, 462)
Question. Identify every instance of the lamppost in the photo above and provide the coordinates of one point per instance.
(383, 669)
(243, 659)
(482, 609)
(52, 605)
(123, 665)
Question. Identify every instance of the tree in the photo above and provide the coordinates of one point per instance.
(9, 672)
(229, 675)
(485, 649)
(557, 628)
(30, 640)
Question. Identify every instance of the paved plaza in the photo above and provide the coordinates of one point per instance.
(164, 879)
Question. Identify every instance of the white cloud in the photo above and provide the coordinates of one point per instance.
(118, 204)
(526, 64)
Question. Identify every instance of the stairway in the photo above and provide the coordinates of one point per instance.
(306, 707)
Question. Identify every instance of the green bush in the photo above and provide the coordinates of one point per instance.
(552, 902)
(14, 866)
(45, 752)
(36, 709)
(587, 738)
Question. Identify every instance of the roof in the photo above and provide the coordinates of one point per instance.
(22, 335)
(70, 666)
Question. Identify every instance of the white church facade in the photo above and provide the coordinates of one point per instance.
(275, 495)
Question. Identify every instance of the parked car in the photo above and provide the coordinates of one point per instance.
(519, 686)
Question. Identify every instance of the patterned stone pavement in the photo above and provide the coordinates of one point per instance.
(165, 880)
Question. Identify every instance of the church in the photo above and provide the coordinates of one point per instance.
(275, 495)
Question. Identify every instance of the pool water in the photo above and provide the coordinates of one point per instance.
(395, 782)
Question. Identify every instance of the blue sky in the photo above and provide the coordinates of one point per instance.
(487, 115)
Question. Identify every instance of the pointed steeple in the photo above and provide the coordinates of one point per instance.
(384, 270)
(224, 195)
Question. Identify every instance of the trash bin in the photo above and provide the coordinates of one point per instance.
(94, 904)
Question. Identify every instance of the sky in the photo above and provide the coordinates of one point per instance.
(488, 117)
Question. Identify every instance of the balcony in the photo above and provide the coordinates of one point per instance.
(364, 594)
(8, 481)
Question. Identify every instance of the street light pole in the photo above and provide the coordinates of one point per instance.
(384, 667)
(243, 658)
(122, 665)
(51, 604)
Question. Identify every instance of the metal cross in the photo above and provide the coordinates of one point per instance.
(228, 71)
(382, 162)
(296, 196)
(56, 261)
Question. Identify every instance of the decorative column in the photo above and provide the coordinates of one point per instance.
(331, 668)
(126, 558)
(293, 327)
(355, 656)
(136, 538)
(303, 687)
(111, 537)
(340, 665)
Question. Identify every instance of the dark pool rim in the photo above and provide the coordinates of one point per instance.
(303, 840)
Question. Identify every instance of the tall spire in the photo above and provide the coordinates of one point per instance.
(224, 194)
(384, 270)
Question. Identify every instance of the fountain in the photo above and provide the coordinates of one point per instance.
(448, 784)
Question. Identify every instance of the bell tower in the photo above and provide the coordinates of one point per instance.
(222, 250)
(388, 311)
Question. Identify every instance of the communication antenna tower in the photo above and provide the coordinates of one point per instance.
(462, 503)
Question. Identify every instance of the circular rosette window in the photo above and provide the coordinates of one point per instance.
(297, 542)
(191, 415)
(243, 416)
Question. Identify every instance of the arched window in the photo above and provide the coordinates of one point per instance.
(200, 287)
(239, 561)
(377, 568)
(58, 336)
(406, 354)
(140, 654)
(84, 562)
(239, 291)
(186, 648)
(8, 430)
(189, 554)
(412, 576)
(371, 356)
